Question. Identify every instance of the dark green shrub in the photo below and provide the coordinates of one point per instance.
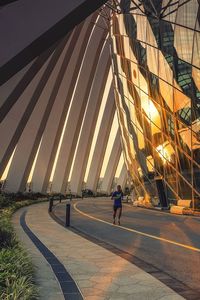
(7, 235)
(21, 288)
(14, 263)
(16, 275)
(4, 201)
(7, 238)
(16, 269)
(11, 198)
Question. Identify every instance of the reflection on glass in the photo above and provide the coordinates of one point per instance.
(165, 151)
(157, 87)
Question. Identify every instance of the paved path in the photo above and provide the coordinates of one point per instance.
(98, 273)
(164, 245)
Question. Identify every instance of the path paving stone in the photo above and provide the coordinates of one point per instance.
(98, 273)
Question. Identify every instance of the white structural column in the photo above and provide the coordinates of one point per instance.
(101, 142)
(15, 93)
(32, 133)
(112, 164)
(90, 119)
(123, 176)
(15, 119)
(70, 92)
(53, 130)
(77, 109)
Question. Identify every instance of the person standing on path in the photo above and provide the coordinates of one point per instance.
(117, 196)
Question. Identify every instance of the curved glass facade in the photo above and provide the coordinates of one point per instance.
(156, 64)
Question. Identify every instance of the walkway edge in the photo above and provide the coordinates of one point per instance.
(62, 276)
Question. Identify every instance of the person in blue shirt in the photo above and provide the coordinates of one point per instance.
(117, 196)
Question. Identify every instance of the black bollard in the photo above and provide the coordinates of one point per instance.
(67, 221)
(50, 204)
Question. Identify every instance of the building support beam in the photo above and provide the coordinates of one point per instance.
(101, 143)
(32, 133)
(112, 164)
(8, 87)
(78, 106)
(123, 177)
(90, 119)
(54, 127)
(15, 121)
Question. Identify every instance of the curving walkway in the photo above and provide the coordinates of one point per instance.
(84, 269)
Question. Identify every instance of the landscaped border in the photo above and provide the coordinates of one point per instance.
(16, 269)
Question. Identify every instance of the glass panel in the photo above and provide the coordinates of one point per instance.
(196, 173)
(196, 50)
(165, 72)
(183, 42)
(197, 201)
(150, 39)
(152, 59)
(183, 75)
(184, 190)
(159, 86)
(184, 137)
(196, 141)
(196, 76)
(170, 178)
(181, 101)
(184, 165)
(141, 27)
(170, 11)
(168, 125)
(166, 38)
(187, 13)
(166, 91)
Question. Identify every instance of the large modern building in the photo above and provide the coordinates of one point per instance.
(156, 62)
(95, 92)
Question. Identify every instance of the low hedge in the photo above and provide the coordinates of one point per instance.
(16, 268)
